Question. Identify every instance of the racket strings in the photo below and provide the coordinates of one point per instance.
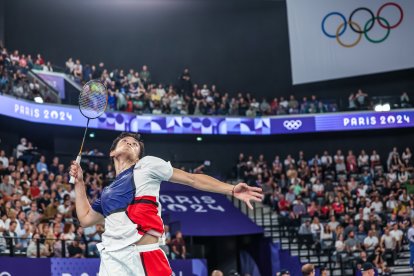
(93, 99)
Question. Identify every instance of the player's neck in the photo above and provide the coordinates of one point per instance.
(122, 164)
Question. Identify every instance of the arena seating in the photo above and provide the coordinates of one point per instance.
(336, 209)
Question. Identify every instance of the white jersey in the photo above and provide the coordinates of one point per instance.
(130, 204)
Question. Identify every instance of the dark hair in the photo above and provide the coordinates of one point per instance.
(136, 136)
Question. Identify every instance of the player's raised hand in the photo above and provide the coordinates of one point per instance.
(246, 193)
(76, 171)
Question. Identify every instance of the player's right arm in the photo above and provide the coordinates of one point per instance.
(86, 215)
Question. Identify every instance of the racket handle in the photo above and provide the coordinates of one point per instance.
(72, 179)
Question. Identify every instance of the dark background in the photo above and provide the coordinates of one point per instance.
(240, 45)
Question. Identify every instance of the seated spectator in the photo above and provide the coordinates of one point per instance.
(33, 248)
(75, 249)
(371, 241)
(351, 243)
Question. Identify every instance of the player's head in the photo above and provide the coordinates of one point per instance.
(308, 270)
(130, 145)
(368, 269)
(217, 273)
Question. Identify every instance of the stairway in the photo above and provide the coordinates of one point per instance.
(263, 216)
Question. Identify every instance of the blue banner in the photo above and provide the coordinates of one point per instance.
(213, 125)
(204, 214)
(84, 267)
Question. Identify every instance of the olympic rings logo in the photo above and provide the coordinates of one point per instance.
(365, 28)
(292, 124)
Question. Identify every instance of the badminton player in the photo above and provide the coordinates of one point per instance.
(131, 211)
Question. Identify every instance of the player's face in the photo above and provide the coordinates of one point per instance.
(127, 147)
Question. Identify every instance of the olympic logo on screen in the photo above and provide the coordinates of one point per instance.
(363, 29)
(292, 124)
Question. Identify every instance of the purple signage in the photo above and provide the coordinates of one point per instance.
(16, 266)
(364, 120)
(120, 121)
(74, 267)
(54, 80)
(196, 210)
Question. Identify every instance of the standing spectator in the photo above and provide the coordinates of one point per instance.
(70, 66)
(405, 100)
(78, 69)
(352, 102)
(178, 246)
(305, 236)
(185, 82)
(339, 162)
(362, 99)
(397, 234)
(388, 244)
(145, 75)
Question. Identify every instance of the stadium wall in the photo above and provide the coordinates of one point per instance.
(238, 45)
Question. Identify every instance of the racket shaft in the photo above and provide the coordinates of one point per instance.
(72, 179)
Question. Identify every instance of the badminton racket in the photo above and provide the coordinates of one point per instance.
(93, 100)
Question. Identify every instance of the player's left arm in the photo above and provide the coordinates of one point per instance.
(207, 183)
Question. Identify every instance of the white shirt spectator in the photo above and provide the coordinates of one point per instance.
(5, 161)
(389, 242)
(371, 242)
(340, 246)
(363, 160)
(397, 234)
(333, 224)
(326, 160)
(378, 206)
(317, 188)
(391, 204)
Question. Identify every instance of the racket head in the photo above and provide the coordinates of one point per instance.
(93, 99)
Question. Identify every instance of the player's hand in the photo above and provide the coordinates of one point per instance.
(76, 171)
(246, 193)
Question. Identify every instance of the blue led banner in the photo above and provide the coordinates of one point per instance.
(16, 266)
(215, 125)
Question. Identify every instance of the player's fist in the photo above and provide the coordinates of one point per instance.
(76, 171)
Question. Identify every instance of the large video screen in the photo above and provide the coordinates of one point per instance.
(325, 46)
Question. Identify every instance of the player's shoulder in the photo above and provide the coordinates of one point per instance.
(149, 160)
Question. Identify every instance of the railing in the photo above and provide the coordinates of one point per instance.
(90, 251)
(290, 232)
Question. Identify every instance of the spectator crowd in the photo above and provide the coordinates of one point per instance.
(136, 91)
(358, 206)
(37, 210)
